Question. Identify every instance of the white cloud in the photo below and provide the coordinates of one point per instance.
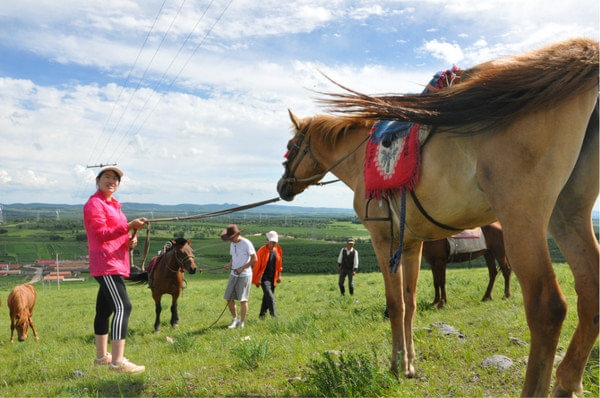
(451, 53)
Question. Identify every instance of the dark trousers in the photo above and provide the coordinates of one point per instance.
(343, 274)
(112, 298)
(268, 301)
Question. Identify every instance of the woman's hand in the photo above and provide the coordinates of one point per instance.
(132, 241)
(137, 223)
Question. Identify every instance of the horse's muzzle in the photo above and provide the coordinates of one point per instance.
(192, 270)
(285, 190)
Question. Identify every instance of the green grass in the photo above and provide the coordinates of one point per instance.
(286, 356)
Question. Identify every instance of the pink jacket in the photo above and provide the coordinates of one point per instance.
(107, 232)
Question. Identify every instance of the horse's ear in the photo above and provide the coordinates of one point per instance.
(295, 120)
(173, 242)
(189, 242)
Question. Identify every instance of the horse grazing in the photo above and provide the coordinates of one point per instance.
(516, 141)
(21, 301)
(166, 276)
(437, 254)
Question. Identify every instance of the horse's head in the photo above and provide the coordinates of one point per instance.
(185, 254)
(300, 170)
(22, 326)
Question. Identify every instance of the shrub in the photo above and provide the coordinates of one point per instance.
(348, 375)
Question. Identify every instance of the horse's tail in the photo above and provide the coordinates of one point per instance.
(140, 277)
(492, 94)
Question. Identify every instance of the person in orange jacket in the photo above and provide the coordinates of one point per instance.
(267, 272)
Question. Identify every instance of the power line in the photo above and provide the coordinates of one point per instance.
(127, 79)
(178, 74)
(135, 91)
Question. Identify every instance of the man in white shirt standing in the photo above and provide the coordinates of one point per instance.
(347, 266)
(243, 256)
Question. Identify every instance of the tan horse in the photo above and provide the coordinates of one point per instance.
(517, 142)
(21, 301)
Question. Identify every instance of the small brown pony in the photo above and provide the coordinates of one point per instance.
(437, 254)
(167, 277)
(21, 301)
(516, 142)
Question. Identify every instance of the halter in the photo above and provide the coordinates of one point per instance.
(181, 261)
(306, 151)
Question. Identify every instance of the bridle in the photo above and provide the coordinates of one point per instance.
(181, 261)
(307, 151)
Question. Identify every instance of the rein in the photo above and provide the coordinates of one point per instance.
(323, 173)
(197, 216)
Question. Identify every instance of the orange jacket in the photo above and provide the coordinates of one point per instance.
(261, 263)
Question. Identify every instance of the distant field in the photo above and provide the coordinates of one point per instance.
(310, 244)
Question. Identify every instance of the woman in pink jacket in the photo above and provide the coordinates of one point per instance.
(109, 242)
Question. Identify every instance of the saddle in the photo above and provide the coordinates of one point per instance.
(152, 266)
(468, 241)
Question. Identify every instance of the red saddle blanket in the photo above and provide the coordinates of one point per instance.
(153, 262)
(392, 164)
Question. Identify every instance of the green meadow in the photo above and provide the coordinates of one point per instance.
(321, 344)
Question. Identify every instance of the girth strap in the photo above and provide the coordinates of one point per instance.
(428, 217)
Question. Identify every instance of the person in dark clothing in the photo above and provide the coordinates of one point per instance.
(347, 266)
(267, 272)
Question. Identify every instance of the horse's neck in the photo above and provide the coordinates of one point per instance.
(350, 153)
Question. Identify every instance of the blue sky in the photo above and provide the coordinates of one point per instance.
(191, 101)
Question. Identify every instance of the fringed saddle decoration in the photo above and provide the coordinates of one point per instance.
(393, 156)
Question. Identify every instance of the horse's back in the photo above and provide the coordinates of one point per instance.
(21, 297)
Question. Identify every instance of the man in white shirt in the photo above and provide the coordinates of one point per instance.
(243, 256)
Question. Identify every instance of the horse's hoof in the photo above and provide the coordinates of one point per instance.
(410, 372)
(486, 298)
(156, 331)
(174, 325)
(440, 305)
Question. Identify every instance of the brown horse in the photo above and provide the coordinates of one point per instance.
(437, 254)
(516, 142)
(167, 276)
(21, 301)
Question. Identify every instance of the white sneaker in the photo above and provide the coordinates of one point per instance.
(234, 323)
(241, 325)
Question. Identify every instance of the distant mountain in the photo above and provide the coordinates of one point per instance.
(153, 210)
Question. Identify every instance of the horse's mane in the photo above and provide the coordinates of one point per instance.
(328, 129)
(492, 94)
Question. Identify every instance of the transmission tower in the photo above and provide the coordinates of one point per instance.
(1, 216)
(57, 214)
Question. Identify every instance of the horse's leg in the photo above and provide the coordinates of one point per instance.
(522, 185)
(174, 314)
(32, 328)
(506, 273)
(411, 260)
(12, 329)
(394, 299)
(436, 270)
(157, 309)
(571, 228)
(443, 269)
(492, 271)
